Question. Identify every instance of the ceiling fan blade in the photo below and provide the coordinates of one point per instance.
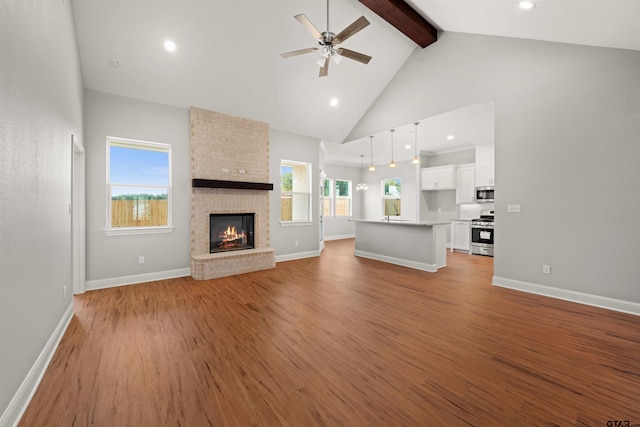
(298, 52)
(324, 71)
(309, 26)
(357, 25)
(356, 56)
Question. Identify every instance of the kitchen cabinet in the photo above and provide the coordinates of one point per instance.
(461, 236)
(485, 169)
(438, 178)
(465, 183)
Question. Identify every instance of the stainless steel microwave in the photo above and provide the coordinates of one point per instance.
(484, 195)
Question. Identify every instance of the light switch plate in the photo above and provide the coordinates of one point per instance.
(514, 208)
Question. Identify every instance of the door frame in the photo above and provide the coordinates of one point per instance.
(78, 216)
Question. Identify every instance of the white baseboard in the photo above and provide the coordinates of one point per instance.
(21, 399)
(297, 255)
(431, 268)
(92, 285)
(568, 295)
(340, 237)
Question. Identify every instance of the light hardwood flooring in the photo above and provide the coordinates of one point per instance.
(340, 341)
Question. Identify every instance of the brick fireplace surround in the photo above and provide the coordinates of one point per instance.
(230, 149)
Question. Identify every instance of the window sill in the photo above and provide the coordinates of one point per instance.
(129, 231)
(295, 223)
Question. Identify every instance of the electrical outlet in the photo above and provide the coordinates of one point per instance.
(64, 290)
(140, 260)
(296, 243)
(546, 269)
(514, 208)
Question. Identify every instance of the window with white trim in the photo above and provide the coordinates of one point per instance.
(295, 191)
(391, 197)
(343, 198)
(138, 186)
(327, 199)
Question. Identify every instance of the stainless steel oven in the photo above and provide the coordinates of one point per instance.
(482, 233)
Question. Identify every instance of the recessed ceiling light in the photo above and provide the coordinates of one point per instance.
(170, 45)
(526, 5)
(450, 137)
(407, 146)
(333, 102)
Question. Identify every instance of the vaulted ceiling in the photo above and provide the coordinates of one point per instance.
(228, 51)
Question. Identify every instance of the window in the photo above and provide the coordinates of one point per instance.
(391, 197)
(343, 198)
(327, 200)
(138, 186)
(336, 197)
(295, 191)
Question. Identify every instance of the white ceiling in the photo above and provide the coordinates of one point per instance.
(228, 59)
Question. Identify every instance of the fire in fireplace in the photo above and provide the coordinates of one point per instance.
(230, 232)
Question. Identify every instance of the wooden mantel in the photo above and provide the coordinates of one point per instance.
(238, 185)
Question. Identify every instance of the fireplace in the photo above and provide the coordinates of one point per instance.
(230, 232)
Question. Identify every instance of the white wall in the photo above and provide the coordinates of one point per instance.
(289, 146)
(566, 142)
(40, 107)
(113, 259)
(341, 227)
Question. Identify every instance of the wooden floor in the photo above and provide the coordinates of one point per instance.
(340, 341)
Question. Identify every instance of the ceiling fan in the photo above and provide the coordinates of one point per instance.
(328, 42)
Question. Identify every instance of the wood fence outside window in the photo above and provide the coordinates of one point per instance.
(139, 213)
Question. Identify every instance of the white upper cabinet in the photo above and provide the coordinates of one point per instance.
(439, 178)
(484, 166)
(465, 183)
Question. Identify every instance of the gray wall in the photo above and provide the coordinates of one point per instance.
(451, 158)
(289, 146)
(40, 107)
(110, 257)
(410, 175)
(341, 227)
(112, 115)
(566, 147)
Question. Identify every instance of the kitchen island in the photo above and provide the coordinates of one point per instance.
(420, 245)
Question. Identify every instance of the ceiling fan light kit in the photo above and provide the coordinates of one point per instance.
(328, 42)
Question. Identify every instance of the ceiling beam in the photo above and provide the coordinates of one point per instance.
(406, 19)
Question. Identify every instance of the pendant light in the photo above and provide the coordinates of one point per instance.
(362, 185)
(371, 168)
(392, 164)
(416, 159)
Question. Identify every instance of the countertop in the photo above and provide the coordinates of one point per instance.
(403, 222)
